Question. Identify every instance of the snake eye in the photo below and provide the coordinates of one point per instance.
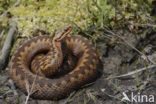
(55, 40)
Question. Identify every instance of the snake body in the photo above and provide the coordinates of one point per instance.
(84, 71)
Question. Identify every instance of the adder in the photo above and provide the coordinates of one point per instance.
(42, 56)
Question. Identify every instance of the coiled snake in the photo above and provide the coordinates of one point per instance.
(45, 54)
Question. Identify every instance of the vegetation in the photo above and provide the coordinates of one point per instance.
(87, 15)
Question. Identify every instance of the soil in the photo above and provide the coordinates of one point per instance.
(117, 58)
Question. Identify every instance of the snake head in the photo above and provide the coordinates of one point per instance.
(60, 34)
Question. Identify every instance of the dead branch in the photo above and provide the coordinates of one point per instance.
(4, 53)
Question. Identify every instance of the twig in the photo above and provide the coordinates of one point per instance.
(2, 33)
(133, 72)
(30, 91)
(114, 97)
(7, 46)
(9, 9)
(69, 97)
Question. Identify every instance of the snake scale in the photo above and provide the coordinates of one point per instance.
(44, 87)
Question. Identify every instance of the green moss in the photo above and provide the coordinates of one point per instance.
(49, 15)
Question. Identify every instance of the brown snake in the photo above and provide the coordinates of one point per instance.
(25, 61)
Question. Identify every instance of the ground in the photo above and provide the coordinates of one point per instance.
(117, 59)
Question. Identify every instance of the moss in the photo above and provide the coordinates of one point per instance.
(49, 15)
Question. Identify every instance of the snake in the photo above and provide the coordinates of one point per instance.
(34, 65)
